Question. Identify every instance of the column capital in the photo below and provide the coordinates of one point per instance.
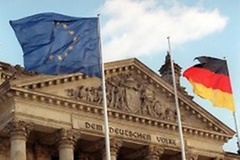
(18, 129)
(153, 152)
(115, 145)
(67, 138)
(191, 156)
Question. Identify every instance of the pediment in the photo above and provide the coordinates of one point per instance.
(131, 88)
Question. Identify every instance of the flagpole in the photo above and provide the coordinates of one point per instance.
(237, 132)
(236, 127)
(177, 105)
(105, 110)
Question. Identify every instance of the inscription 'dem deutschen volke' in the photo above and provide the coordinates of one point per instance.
(130, 134)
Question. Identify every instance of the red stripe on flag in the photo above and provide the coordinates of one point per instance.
(209, 79)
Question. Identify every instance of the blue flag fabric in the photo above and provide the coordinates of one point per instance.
(58, 44)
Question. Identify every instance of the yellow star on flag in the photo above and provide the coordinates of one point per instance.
(51, 57)
(71, 32)
(74, 39)
(60, 58)
(64, 26)
(70, 47)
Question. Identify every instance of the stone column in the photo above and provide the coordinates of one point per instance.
(153, 152)
(66, 143)
(115, 145)
(18, 131)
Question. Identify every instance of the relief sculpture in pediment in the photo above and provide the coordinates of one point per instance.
(126, 94)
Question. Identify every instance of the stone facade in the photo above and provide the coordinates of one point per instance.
(46, 117)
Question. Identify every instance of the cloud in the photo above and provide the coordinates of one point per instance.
(140, 27)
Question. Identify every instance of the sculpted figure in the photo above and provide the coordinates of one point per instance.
(146, 104)
(70, 92)
(91, 94)
(98, 95)
(77, 93)
(122, 92)
(159, 109)
(113, 95)
(170, 114)
(84, 93)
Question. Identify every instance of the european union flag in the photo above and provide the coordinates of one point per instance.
(58, 44)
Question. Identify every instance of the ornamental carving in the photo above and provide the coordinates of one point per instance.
(19, 129)
(153, 152)
(191, 156)
(67, 138)
(125, 93)
(115, 145)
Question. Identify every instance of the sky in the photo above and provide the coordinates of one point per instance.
(139, 29)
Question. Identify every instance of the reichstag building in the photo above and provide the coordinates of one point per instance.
(45, 117)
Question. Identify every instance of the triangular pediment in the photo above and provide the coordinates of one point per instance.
(131, 88)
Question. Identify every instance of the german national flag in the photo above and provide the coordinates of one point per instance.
(210, 80)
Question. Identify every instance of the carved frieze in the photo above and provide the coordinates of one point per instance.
(125, 93)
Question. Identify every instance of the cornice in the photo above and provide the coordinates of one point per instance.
(42, 81)
(201, 113)
(5, 76)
